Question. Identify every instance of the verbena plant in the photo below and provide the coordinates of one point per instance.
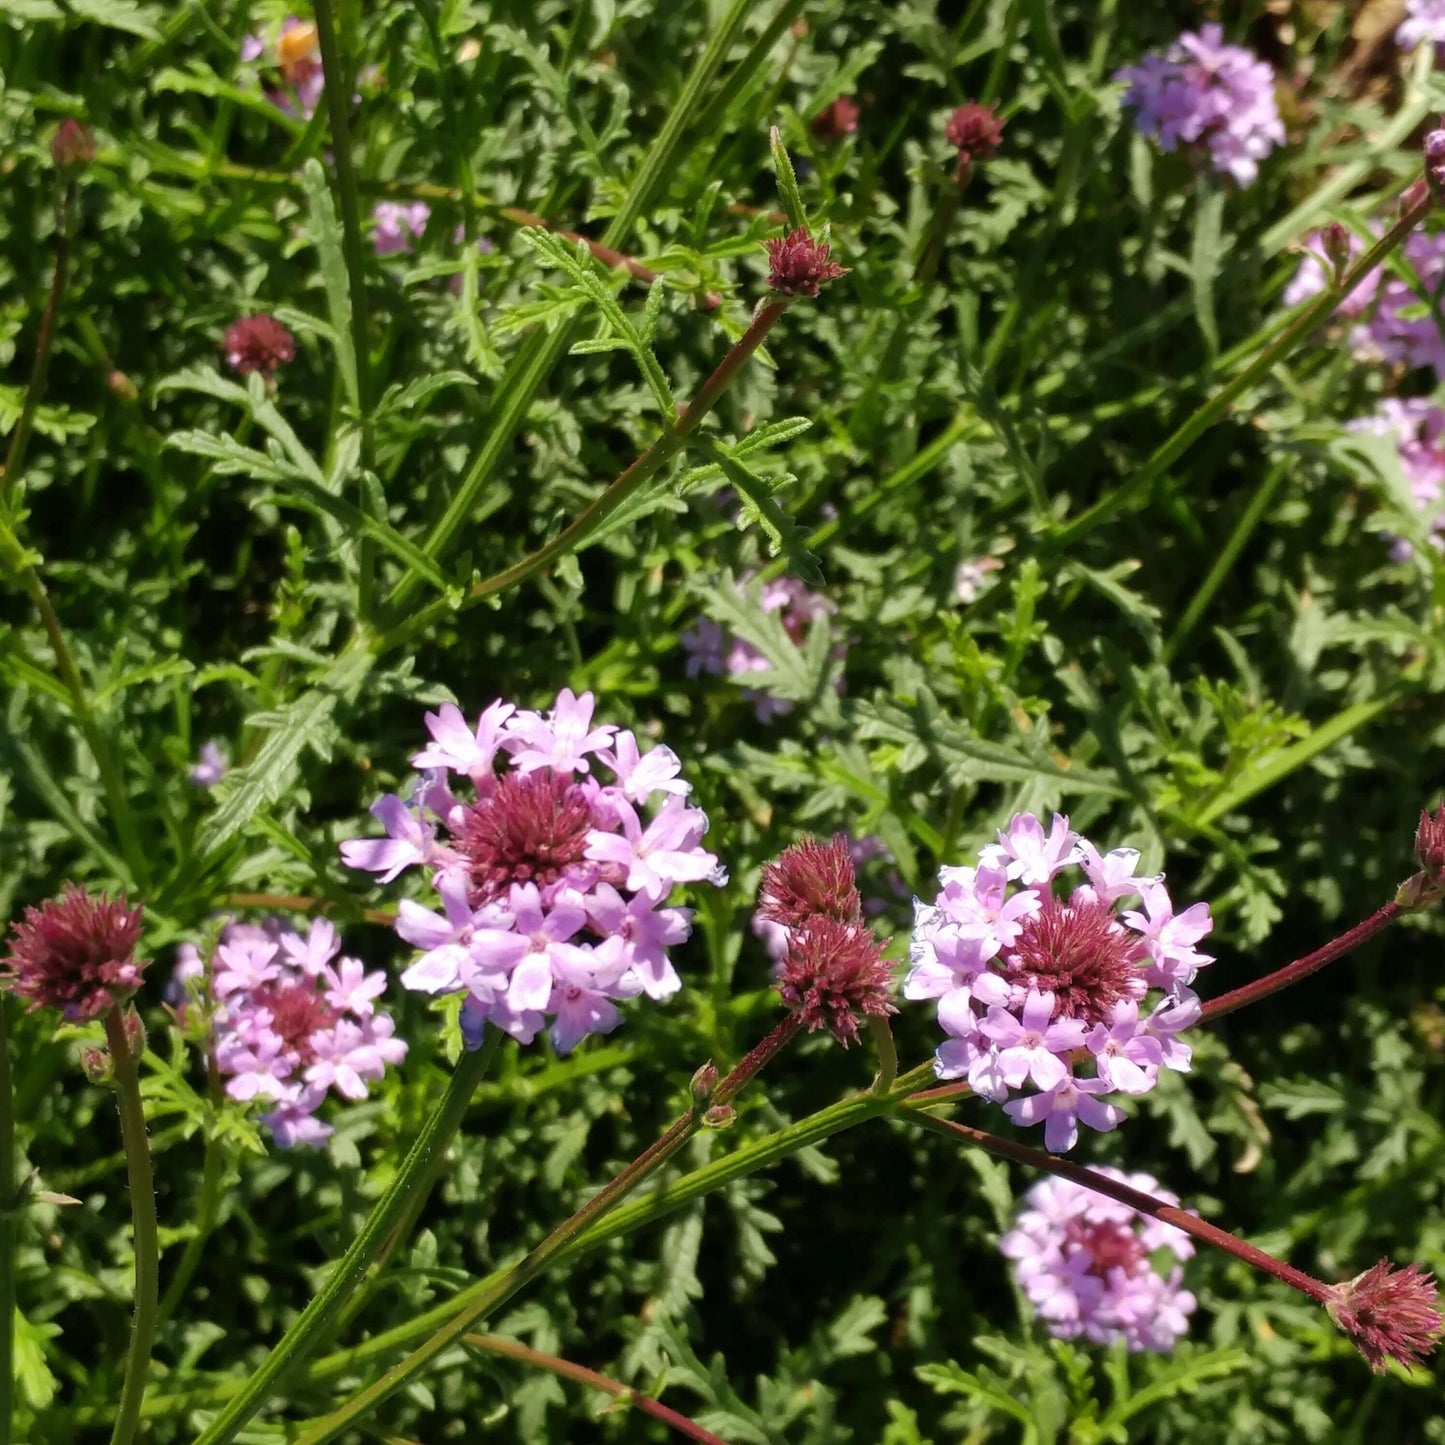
(564, 564)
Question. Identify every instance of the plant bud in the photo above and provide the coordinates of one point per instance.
(95, 1064)
(704, 1082)
(72, 147)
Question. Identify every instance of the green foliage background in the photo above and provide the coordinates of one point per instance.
(1223, 670)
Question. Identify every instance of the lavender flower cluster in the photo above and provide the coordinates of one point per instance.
(1417, 426)
(1090, 1265)
(1204, 94)
(1396, 324)
(290, 1020)
(713, 651)
(552, 883)
(1424, 23)
(1030, 985)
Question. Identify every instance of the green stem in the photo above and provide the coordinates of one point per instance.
(1341, 725)
(213, 1173)
(534, 363)
(1205, 416)
(15, 561)
(1223, 566)
(887, 1055)
(540, 1258)
(665, 1200)
(144, 1239)
(9, 1204)
(338, 99)
(40, 366)
(579, 1374)
(318, 1317)
(586, 522)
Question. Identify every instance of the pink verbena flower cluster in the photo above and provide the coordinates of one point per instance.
(552, 883)
(1395, 322)
(1205, 94)
(1088, 1265)
(1418, 428)
(398, 227)
(1031, 985)
(711, 650)
(291, 1019)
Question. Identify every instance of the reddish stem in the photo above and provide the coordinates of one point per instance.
(514, 1350)
(761, 1053)
(1146, 1204)
(15, 454)
(1302, 967)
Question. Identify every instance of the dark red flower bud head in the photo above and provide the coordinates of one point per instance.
(1336, 242)
(258, 343)
(1430, 842)
(704, 1081)
(835, 121)
(1428, 885)
(72, 147)
(801, 266)
(834, 974)
(808, 881)
(975, 131)
(1389, 1313)
(76, 954)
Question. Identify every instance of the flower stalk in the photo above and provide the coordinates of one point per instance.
(1302, 968)
(125, 1059)
(317, 1319)
(9, 1208)
(1385, 1312)
(624, 486)
(1204, 417)
(579, 1374)
(44, 340)
(715, 1108)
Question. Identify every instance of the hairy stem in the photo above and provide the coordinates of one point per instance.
(338, 101)
(318, 1317)
(553, 1364)
(144, 1239)
(44, 340)
(1201, 420)
(16, 563)
(9, 1206)
(1146, 1204)
(646, 466)
(1301, 968)
(541, 1257)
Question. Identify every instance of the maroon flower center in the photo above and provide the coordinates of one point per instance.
(1110, 1245)
(809, 880)
(297, 1012)
(1080, 954)
(530, 829)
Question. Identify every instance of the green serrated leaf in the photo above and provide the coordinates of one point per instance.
(324, 229)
